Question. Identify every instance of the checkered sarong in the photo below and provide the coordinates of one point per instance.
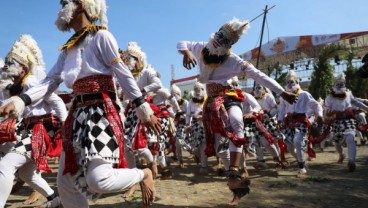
(93, 135)
(290, 133)
(24, 136)
(250, 129)
(196, 137)
(130, 126)
(180, 133)
(341, 127)
(163, 139)
(271, 125)
(93, 138)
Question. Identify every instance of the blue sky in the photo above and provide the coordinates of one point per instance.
(157, 25)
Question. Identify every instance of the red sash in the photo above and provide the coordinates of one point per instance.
(7, 130)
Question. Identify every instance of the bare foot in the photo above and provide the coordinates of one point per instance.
(182, 164)
(216, 167)
(32, 198)
(302, 173)
(245, 174)
(147, 188)
(341, 159)
(235, 201)
(130, 192)
(311, 158)
(239, 187)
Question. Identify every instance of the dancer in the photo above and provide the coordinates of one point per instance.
(194, 126)
(93, 135)
(160, 100)
(217, 65)
(293, 120)
(35, 128)
(340, 116)
(269, 107)
(179, 123)
(139, 138)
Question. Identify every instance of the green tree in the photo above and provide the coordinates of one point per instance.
(356, 84)
(322, 76)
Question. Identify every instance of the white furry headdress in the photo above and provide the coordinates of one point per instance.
(235, 28)
(26, 52)
(341, 78)
(291, 75)
(175, 89)
(96, 10)
(135, 50)
(197, 84)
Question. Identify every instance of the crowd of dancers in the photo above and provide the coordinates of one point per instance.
(122, 124)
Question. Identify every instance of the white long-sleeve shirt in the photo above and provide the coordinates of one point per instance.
(193, 111)
(161, 97)
(50, 104)
(95, 55)
(184, 105)
(250, 104)
(336, 104)
(305, 103)
(232, 66)
(174, 103)
(148, 80)
(268, 103)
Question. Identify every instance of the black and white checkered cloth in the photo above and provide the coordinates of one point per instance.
(24, 136)
(271, 125)
(250, 129)
(290, 133)
(342, 126)
(180, 133)
(93, 136)
(130, 126)
(197, 136)
(163, 139)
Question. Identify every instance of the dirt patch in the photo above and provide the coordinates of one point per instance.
(327, 184)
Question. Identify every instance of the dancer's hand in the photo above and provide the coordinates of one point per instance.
(248, 115)
(265, 116)
(189, 61)
(188, 129)
(289, 97)
(319, 120)
(280, 125)
(154, 124)
(7, 109)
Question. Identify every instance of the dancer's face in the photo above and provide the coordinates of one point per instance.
(291, 85)
(198, 92)
(65, 14)
(13, 71)
(339, 87)
(258, 91)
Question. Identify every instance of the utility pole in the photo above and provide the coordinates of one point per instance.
(261, 39)
(263, 24)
